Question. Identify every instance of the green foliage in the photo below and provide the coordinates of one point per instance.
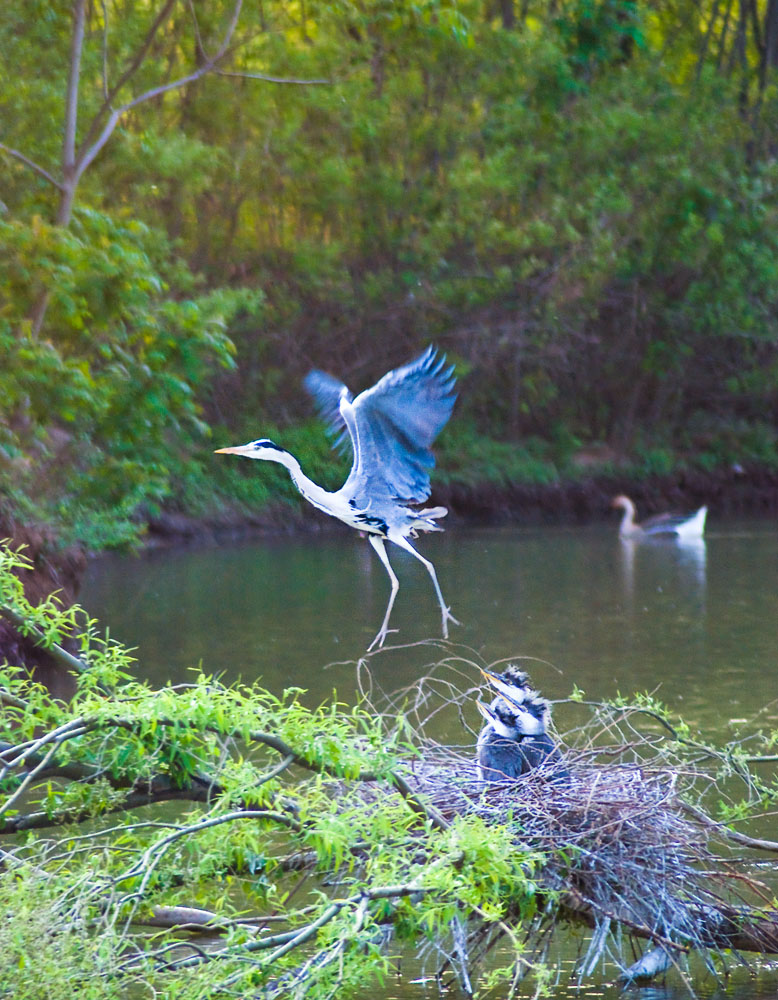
(226, 852)
(99, 413)
(578, 201)
(473, 459)
(287, 828)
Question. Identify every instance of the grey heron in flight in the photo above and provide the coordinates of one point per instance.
(390, 428)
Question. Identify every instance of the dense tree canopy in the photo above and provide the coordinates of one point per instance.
(576, 199)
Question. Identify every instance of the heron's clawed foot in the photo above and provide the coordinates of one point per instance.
(448, 617)
(379, 639)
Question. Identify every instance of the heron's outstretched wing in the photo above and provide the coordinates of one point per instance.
(394, 425)
(327, 392)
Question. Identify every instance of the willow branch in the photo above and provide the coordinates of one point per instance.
(402, 786)
(151, 858)
(289, 754)
(6, 698)
(290, 940)
(26, 628)
(157, 791)
(190, 918)
(25, 754)
(729, 834)
(28, 780)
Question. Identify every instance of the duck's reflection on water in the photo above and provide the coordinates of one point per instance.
(650, 561)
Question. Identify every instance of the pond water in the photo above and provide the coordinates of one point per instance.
(695, 624)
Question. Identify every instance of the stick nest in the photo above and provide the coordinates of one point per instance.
(626, 839)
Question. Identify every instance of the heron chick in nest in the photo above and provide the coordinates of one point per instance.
(515, 739)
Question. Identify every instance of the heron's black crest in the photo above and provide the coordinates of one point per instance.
(264, 443)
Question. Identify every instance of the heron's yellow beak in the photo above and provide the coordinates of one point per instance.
(227, 451)
(483, 709)
(506, 690)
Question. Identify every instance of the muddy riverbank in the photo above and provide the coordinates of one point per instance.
(727, 492)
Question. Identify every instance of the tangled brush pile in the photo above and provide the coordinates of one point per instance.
(629, 849)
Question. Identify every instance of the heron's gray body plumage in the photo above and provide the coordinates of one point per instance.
(503, 758)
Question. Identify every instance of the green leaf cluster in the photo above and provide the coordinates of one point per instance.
(99, 412)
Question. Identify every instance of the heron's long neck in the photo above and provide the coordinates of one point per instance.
(312, 492)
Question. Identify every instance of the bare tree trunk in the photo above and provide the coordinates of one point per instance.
(771, 36)
(68, 188)
(71, 114)
(76, 161)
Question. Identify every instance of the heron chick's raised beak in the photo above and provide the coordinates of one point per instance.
(513, 694)
(485, 711)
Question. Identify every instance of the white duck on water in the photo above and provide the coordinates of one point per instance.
(682, 526)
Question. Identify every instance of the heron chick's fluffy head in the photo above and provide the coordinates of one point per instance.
(512, 684)
(534, 715)
(502, 718)
(513, 721)
(262, 448)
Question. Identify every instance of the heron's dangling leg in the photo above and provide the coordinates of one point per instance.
(379, 545)
(445, 610)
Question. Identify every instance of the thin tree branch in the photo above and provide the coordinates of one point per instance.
(154, 854)
(128, 73)
(135, 800)
(429, 812)
(402, 786)
(25, 752)
(270, 79)
(88, 154)
(292, 940)
(729, 834)
(105, 49)
(35, 167)
(54, 649)
(28, 780)
(71, 96)
(6, 698)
